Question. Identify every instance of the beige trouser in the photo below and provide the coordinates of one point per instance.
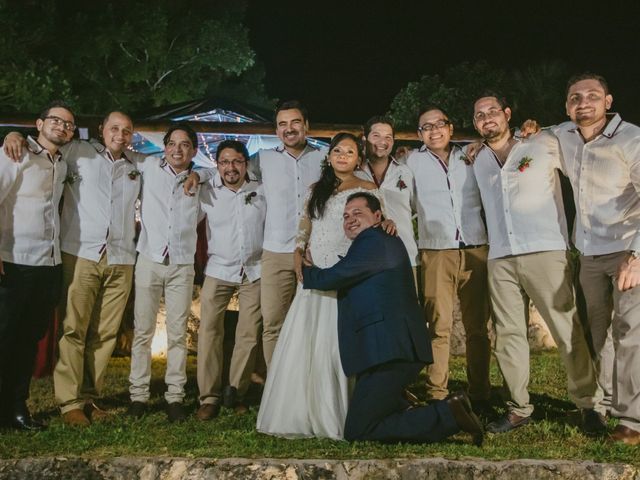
(446, 273)
(176, 282)
(618, 360)
(278, 288)
(97, 295)
(546, 279)
(214, 298)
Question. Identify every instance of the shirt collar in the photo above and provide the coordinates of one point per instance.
(217, 183)
(613, 123)
(104, 151)
(307, 148)
(169, 169)
(34, 146)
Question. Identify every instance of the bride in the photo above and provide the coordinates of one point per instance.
(306, 393)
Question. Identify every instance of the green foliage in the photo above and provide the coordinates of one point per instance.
(554, 434)
(131, 54)
(536, 91)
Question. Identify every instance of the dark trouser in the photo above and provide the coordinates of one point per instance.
(28, 296)
(378, 410)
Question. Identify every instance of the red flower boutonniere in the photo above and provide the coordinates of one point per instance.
(524, 163)
(248, 197)
(401, 185)
(133, 174)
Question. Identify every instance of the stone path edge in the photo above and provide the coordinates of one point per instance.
(168, 468)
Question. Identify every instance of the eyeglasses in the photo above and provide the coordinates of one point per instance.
(482, 116)
(57, 121)
(235, 163)
(427, 127)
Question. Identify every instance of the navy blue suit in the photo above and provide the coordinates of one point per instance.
(383, 340)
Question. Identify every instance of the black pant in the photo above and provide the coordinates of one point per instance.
(28, 296)
(378, 409)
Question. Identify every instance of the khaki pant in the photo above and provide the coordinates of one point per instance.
(445, 274)
(97, 295)
(278, 288)
(618, 360)
(546, 279)
(176, 283)
(214, 298)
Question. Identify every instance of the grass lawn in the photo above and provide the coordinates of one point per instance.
(554, 434)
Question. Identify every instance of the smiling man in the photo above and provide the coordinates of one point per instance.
(602, 160)
(286, 171)
(529, 261)
(166, 247)
(30, 270)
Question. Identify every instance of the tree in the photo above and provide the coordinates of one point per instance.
(534, 92)
(132, 54)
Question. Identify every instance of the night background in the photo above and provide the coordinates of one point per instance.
(345, 60)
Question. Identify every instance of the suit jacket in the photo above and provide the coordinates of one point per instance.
(379, 317)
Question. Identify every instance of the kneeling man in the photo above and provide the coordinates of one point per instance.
(383, 337)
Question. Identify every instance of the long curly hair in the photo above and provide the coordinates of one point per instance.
(326, 186)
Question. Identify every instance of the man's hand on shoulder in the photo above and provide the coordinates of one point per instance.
(14, 146)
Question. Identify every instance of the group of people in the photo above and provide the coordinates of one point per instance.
(320, 247)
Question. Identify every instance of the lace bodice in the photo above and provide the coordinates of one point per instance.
(327, 239)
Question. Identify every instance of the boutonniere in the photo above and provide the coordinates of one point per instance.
(248, 197)
(524, 163)
(465, 159)
(401, 185)
(71, 178)
(133, 174)
(183, 179)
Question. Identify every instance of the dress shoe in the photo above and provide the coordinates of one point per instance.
(465, 418)
(95, 413)
(208, 411)
(24, 421)
(593, 423)
(137, 409)
(240, 408)
(507, 423)
(175, 412)
(75, 418)
(229, 396)
(625, 435)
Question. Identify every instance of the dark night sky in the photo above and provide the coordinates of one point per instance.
(347, 60)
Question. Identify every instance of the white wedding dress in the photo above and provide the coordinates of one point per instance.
(307, 393)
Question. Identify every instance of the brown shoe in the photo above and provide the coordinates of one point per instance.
(240, 409)
(95, 413)
(208, 411)
(465, 418)
(75, 418)
(625, 435)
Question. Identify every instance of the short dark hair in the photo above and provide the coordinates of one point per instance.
(234, 145)
(193, 137)
(588, 76)
(372, 201)
(378, 119)
(55, 104)
(427, 108)
(290, 105)
(502, 100)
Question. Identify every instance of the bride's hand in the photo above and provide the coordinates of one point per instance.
(389, 226)
(297, 263)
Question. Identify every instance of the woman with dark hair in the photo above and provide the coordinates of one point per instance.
(307, 393)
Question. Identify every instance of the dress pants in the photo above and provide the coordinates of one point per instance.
(28, 296)
(618, 361)
(378, 410)
(546, 279)
(214, 298)
(97, 295)
(176, 283)
(445, 274)
(278, 284)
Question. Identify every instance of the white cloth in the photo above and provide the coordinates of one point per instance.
(235, 227)
(524, 209)
(99, 205)
(307, 392)
(169, 217)
(285, 180)
(30, 192)
(607, 212)
(397, 191)
(447, 200)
